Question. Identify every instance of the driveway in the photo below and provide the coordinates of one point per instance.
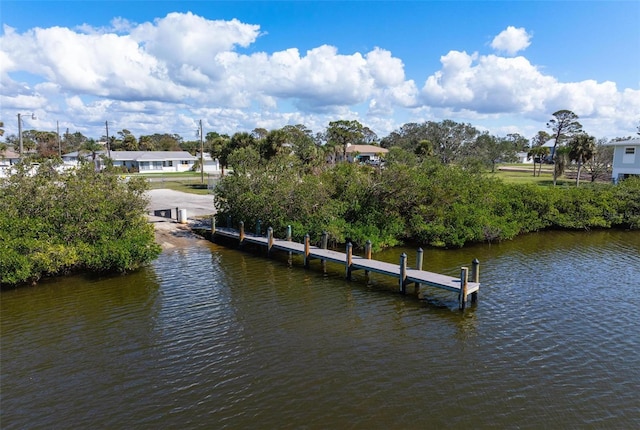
(195, 204)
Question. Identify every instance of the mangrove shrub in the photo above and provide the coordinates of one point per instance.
(54, 223)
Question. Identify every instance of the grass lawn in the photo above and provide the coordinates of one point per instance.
(189, 186)
(524, 175)
(186, 182)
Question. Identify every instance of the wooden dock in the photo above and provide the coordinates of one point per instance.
(462, 286)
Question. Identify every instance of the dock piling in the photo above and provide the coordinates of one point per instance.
(367, 254)
(324, 242)
(475, 277)
(464, 279)
(241, 232)
(403, 273)
(306, 250)
(269, 240)
(419, 258)
(213, 225)
(349, 261)
(258, 228)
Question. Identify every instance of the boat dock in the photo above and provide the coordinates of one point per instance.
(405, 275)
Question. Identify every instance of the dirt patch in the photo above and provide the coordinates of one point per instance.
(171, 235)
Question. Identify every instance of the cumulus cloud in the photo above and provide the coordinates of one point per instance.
(166, 71)
(512, 40)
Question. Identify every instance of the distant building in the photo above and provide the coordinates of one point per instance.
(146, 161)
(368, 154)
(626, 159)
(7, 159)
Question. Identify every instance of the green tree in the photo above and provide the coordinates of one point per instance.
(342, 133)
(491, 150)
(92, 148)
(46, 144)
(218, 144)
(539, 154)
(72, 141)
(599, 165)
(581, 149)
(564, 125)
(302, 143)
(450, 138)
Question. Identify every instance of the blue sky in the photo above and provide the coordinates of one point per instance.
(156, 67)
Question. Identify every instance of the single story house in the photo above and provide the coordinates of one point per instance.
(7, 159)
(141, 161)
(626, 158)
(369, 154)
(523, 157)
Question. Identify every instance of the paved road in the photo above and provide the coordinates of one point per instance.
(195, 204)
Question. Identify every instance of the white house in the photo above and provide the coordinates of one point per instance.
(369, 154)
(142, 161)
(626, 158)
(7, 160)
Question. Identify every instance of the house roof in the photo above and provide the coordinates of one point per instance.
(367, 149)
(628, 142)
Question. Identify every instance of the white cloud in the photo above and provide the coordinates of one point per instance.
(158, 76)
(512, 40)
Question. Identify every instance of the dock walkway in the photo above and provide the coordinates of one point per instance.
(462, 286)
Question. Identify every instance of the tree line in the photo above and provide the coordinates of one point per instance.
(448, 141)
(410, 200)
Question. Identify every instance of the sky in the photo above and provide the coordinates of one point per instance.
(161, 67)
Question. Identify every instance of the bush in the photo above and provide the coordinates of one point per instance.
(54, 223)
(427, 202)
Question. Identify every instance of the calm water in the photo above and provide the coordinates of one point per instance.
(210, 337)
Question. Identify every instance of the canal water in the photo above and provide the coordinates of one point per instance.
(216, 338)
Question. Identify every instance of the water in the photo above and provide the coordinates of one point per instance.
(210, 337)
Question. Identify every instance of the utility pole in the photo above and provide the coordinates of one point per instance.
(58, 134)
(33, 116)
(106, 124)
(20, 133)
(201, 155)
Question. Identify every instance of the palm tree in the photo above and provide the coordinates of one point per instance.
(581, 150)
(92, 147)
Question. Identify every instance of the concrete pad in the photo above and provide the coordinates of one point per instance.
(195, 204)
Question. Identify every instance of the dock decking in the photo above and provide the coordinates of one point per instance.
(462, 286)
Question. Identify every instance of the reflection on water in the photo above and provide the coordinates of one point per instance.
(210, 337)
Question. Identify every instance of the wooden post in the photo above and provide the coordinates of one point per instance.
(462, 298)
(259, 228)
(419, 258)
(475, 277)
(367, 254)
(290, 261)
(403, 273)
(324, 242)
(306, 250)
(213, 225)
(241, 232)
(270, 240)
(228, 221)
(177, 214)
(349, 260)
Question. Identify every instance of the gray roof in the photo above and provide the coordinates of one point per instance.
(628, 142)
